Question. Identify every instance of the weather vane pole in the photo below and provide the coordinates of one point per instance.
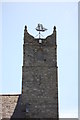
(40, 28)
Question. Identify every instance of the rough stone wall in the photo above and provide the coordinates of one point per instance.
(0, 107)
(39, 55)
(40, 92)
(8, 103)
(39, 77)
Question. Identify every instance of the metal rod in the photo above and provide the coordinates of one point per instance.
(39, 34)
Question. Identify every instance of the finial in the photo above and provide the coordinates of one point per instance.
(54, 28)
(25, 28)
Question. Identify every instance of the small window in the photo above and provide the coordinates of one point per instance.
(27, 107)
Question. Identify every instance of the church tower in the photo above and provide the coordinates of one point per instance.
(39, 77)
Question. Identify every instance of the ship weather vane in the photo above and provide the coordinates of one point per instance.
(40, 29)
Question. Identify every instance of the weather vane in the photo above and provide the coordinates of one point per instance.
(40, 28)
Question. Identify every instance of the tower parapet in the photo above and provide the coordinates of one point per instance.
(49, 40)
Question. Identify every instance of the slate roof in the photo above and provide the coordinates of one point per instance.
(10, 106)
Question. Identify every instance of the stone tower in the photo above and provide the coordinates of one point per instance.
(39, 77)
